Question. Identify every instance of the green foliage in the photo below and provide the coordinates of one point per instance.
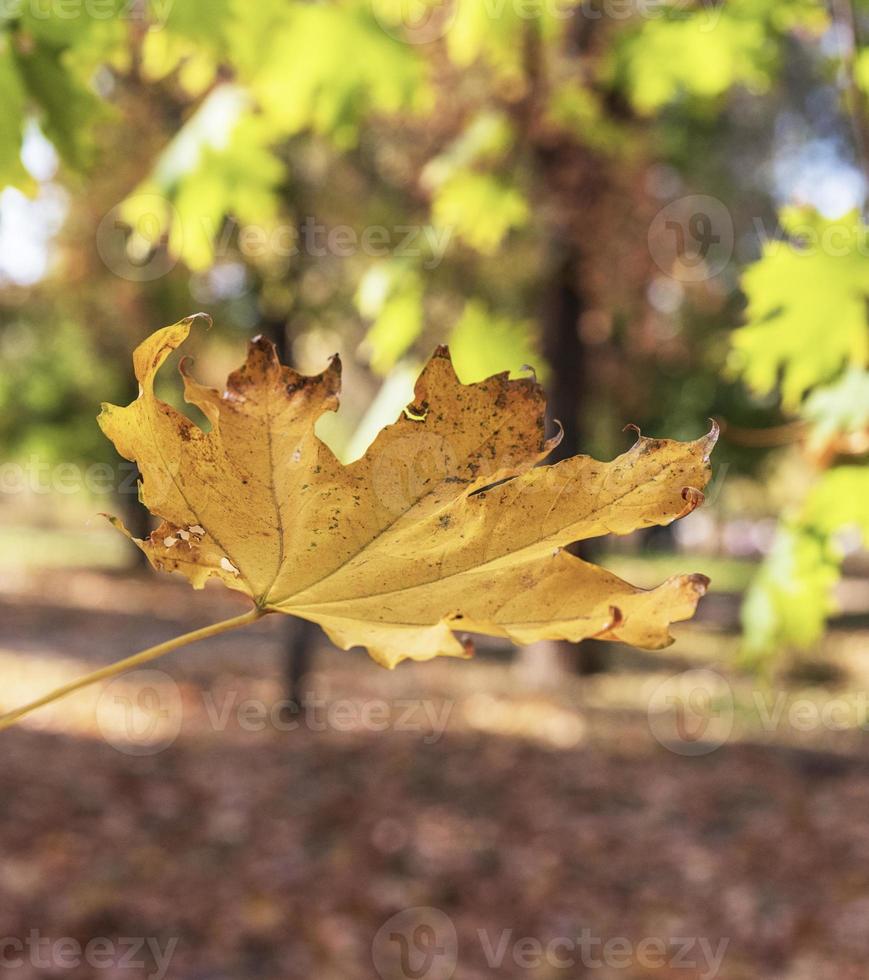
(483, 344)
(475, 34)
(47, 68)
(211, 28)
(790, 599)
(207, 173)
(807, 327)
(577, 110)
(483, 142)
(391, 294)
(806, 306)
(840, 408)
(705, 50)
(301, 83)
(475, 204)
(861, 70)
(67, 110)
(480, 208)
(46, 391)
(670, 58)
(788, 602)
(840, 499)
(13, 98)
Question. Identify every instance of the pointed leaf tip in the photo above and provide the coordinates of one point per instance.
(555, 441)
(190, 320)
(710, 439)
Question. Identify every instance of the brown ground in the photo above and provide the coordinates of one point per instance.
(279, 854)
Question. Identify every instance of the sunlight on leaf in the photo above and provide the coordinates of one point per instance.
(806, 316)
(480, 209)
(482, 344)
(446, 523)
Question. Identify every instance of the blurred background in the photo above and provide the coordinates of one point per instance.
(659, 207)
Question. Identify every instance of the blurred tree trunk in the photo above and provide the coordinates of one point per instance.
(563, 349)
(136, 518)
(299, 636)
(543, 663)
(576, 181)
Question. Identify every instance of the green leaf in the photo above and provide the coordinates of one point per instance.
(68, 110)
(790, 599)
(704, 50)
(669, 58)
(327, 68)
(839, 500)
(806, 315)
(839, 408)
(788, 603)
(13, 99)
(483, 344)
(219, 165)
(392, 295)
(497, 36)
(480, 209)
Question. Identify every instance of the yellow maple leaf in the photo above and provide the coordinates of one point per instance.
(446, 525)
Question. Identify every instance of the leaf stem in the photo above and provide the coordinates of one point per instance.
(145, 656)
